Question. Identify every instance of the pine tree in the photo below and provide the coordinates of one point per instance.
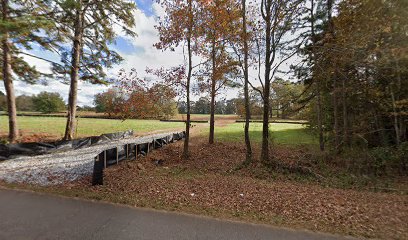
(21, 26)
(358, 61)
(89, 27)
(277, 20)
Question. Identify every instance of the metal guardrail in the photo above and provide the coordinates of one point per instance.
(130, 151)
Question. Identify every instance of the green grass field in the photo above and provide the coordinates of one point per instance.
(281, 133)
(86, 126)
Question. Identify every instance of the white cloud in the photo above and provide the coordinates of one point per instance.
(143, 55)
(147, 55)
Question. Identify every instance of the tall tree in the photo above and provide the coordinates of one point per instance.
(357, 66)
(22, 25)
(312, 25)
(248, 155)
(179, 27)
(220, 19)
(241, 35)
(313, 40)
(331, 33)
(90, 26)
(278, 17)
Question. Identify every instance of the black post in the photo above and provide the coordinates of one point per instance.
(97, 177)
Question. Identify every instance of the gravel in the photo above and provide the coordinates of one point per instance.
(57, 168)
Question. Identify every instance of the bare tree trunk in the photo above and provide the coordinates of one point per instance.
(265, 128)
(186, 153)
(403, 131)
(402, 127)
(73, 90)
(319, 97)
(212, 104)
(335, 115)
(345, 114)
(248, 155)
(334, 93)
(283, 114)
(266, 93)
(319, 119)
(396, 128)
(380, 126)
(7, 78)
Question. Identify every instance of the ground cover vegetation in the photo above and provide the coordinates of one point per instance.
(318, 196)
(346, 75)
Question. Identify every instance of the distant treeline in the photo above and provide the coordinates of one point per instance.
(44, 102)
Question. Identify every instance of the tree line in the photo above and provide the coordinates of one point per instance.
(45, 102)
(349, 58)
(355, 71)
(351, 74)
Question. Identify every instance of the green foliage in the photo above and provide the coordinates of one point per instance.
(255, 103)
(381, 158)
(164, 104)
(105, 102)
(25, 27)
(402, 157)
(47, 102)
(377, 161)
(284, 98)
(86, 108)
(24, 103)
(357, 62)
(388, 159)
(93, 22)
(201, 106)
(226, 107)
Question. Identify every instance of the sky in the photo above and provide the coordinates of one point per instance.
(138, 53)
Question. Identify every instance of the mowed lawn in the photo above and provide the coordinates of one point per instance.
(280, 133)
(86, 126)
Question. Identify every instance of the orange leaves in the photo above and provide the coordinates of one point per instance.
(139, 98)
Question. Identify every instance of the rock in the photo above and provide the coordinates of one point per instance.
(140, 166)
(158, 162)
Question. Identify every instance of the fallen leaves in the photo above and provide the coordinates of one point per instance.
(207, 184)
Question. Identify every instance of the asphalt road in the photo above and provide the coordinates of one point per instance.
(26, 215)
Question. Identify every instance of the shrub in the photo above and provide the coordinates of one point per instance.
(47, 102)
